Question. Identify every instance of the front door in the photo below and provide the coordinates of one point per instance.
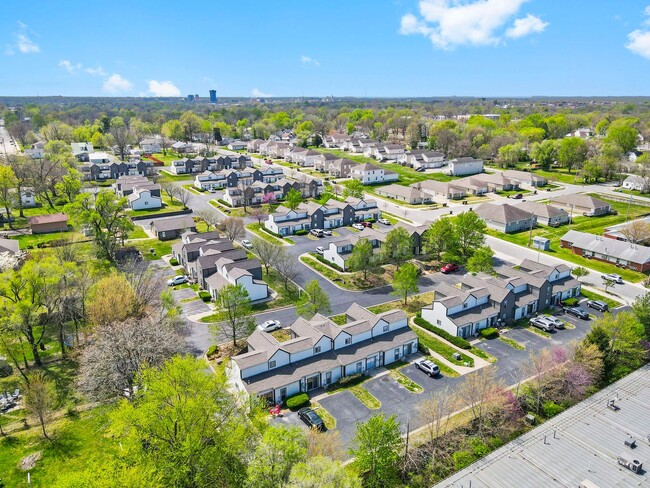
(371, 363)
(283, 395)
(328, 378)
(408, 349)
(313, 382)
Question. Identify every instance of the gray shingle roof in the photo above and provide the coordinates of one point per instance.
(609, 247)
(503, 214)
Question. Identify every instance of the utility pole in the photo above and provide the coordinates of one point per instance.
(530, 232)
(629, 202)
(571, 217)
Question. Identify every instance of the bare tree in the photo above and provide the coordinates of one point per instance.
(40, 398)
(266, 251)
(171, 190)
(637, 231)
(434, 412)
(259, 213)
(481, 393)
(120, 136)
(118, 351)
(146, 286)
(286, 266)
(234, 313)
(327, 444)
(209, 216)
(184, 196)
(232, 227)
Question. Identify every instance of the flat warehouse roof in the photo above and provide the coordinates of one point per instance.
(582, 443)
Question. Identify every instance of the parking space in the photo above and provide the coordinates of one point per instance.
(530, 340)
(428, 383)
(347, 410)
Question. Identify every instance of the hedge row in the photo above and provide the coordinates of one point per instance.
(328, 263)
(298, 401)
(456, 341)
(489, 333)
(271, 232)
(224, 203)
(301, 232)
(205, 296)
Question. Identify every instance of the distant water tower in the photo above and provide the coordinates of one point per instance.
(213, 96)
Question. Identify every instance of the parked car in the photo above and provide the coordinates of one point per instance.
(177, 280)
(559, 324)
(358, 226)
(317, 232)
(366, 224)
(420, 169)
(598, 305)
(576, 312)
(517, 196)
(327, 232)
(320, 250)
(311, 418)
(542, 323)
(449, 268)
(270, 325)
(384, 221)
(247, 244)
(428, 367)
(614, 277)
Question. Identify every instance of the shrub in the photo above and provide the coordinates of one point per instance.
(298, 401)
(212, 350)
(301, 232)
(224, 203)
(462, 459)
(456, 341)
(205, 296)
(173, 262)
(5, 369)
(328, 263)
(371, 220)
(551, 409)
(489, 333)
(480, 449)
(570, 302)
(271, 232)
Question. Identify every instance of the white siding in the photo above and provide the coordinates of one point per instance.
(280, 357)
(339, 342)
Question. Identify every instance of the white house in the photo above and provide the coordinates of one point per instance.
(320, 352)
(27, 197)
(420, 158)
(98, 158)
(37, 150)
(638, 183)
(151, 145)
(80, 150)
(237, 145)
(369, 174)
(465, 166)
(142, 199)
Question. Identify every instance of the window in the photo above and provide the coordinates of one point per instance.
(271, 364)
(438, 322)
(316, 349)
(359, 367)
(348, 340)
(386, 327)
(464, 306)
(396, 352)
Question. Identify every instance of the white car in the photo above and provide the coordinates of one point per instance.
(358, 226)
(384, 221)
(320, 250)
(247, 244)
(559, 324)
(327, 232)
(614, 277)
(270, 326)
(177, 280)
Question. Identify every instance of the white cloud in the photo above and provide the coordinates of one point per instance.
(307, 60)
(450, 23)
(163, 89)
(98, 71)
(525, 26)
(22, 42)
(256, 92)
(639, 39)
(25, 45)
(70, 67)
(116, 84)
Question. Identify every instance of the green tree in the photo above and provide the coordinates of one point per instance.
(172, 129)
(104, 214)
(470, 232)
(572, 152)
(362, 257)
(353, 188)
(620, 338)
(279, 450)
(405, 281)
(377, 451)
(580, 272)
(185, 425)
(8, 182)
(190, 122)
(234, 314)
(70, 184)
(544, 153)
(624, 136)
(641, 309)
(293, 199)
(398, 247)
(321, 472)
(481, 261)
(510, 154)
(315, 301)
(440, 238)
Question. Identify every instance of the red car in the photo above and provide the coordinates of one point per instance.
(449, 268)
(366, 224)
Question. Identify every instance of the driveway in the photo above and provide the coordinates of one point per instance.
(347, 410)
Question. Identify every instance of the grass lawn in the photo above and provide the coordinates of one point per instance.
(414, 305)
(349, 281)
(445, 350)
(560, 175)
(137, 233)
(395, 218)
(403, 380)
(282, 335)
(28, 240)
(597, 296)
(167, 158)
(328, 418)
(365, 397)
(165, 176)
(161, 248)
(339, 319)
(444, 369)
(512, 342)
(507, 193)
(256, 229)
(591, 225)
(539, 332)
(231, 212)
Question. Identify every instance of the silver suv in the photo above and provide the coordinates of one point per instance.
(429, 367)
(542, 323)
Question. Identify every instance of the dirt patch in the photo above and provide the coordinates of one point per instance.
(29, 462)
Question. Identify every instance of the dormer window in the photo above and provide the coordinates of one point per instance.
(317, 350)
(272, 364)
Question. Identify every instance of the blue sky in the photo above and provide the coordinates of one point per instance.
(368, 48)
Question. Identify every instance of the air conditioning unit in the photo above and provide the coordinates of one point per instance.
(633, 465)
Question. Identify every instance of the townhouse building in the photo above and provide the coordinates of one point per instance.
(94, 171)
(422, 158)
(406, 194)
(214, 263)
(465, 166)
(319, 353)
(232, 178)
(525, 177)
(125, 185)
(506, 218)
(587, 205)
(546, 214)
(369, 174)
(201, 164)
(590, 246)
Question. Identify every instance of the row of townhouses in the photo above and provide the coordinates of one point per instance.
(234, 177)
(214, 263)
(106, 170)
(339, 251)
(259, 192)
(320, 352)
(141, 193)
(201, 164)
(478, 302)
(312, 215)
